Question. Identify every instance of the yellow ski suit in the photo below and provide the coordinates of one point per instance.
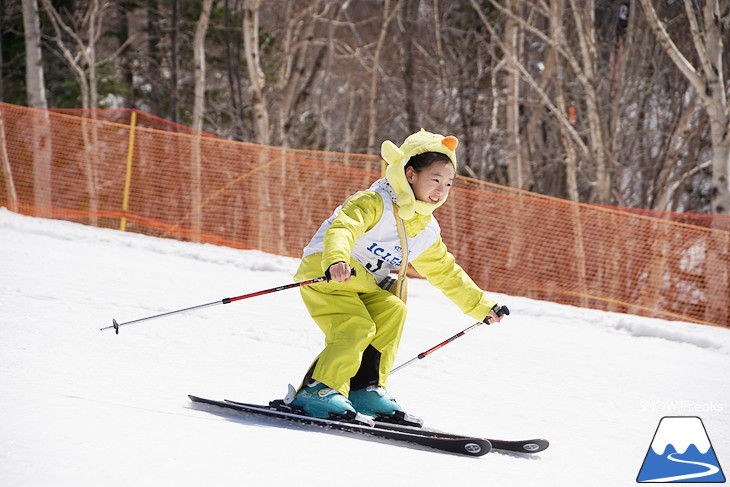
(358, 318)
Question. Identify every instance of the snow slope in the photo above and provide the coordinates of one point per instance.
(83, 407)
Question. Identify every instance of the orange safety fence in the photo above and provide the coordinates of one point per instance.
(127, 170)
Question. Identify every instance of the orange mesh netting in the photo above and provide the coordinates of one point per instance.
(128, 170)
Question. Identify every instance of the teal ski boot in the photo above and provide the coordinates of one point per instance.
(319, 401)
(375, 401)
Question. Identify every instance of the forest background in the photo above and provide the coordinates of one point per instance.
(614, 102)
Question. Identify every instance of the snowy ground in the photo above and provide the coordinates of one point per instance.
(83, 407)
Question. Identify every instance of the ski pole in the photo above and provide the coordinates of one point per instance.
(116, 325)
(501, 311)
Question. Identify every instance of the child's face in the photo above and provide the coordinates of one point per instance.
(433, 183)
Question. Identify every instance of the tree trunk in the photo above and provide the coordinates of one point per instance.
(154, 57)
(125, 56)
(198, 112)
(12, 195)
(255, 73)
(233, 68)
(41, 125)
(388, 14)
(293, 78)
(410, 21)
(96, 18)
(95, 150)
(515, 162)
(175, 63)
(440, 58)
(262, 130)
(584, 17)
(553, 70)
(669, 179)
(2, 63)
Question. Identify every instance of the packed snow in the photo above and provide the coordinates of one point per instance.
(80, 406)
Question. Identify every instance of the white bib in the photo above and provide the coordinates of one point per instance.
(379, 249)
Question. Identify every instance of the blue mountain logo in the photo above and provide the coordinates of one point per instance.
(681, 452)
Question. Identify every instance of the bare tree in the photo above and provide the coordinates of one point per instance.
(707, 78)
(565, 61)
(84, 31)
(299, 66)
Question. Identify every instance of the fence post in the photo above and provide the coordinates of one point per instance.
(128, 179)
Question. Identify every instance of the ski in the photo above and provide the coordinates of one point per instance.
(534, 445)
(462, 445)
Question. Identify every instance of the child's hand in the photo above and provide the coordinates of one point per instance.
(339, 271)
(492, 317)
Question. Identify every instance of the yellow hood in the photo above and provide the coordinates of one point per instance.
(397, 158)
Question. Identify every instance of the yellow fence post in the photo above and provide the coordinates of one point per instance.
(128, 180)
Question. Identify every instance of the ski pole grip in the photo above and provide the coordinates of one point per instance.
(501, 310)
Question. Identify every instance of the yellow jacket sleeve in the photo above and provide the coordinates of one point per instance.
(358, 215)
(440, 268)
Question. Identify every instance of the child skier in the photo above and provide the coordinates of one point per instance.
(371, 234)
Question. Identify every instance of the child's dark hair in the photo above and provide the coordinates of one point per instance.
(422, 161)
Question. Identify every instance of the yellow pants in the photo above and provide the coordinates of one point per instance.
(353, 316)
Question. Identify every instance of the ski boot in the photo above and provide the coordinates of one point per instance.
(375, 401)
(319, 401)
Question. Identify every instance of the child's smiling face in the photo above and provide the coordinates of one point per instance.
(433, 183)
